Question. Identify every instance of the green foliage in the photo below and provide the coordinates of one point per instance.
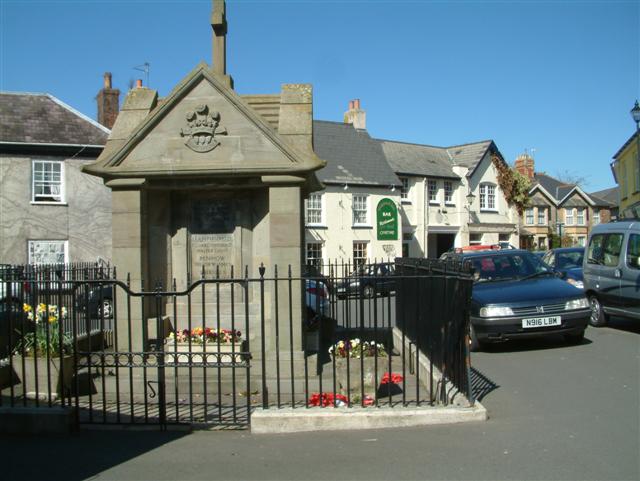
(45, 337)
(514, 185)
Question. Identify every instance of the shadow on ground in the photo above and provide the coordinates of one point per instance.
(629, 325)
(78, 456)
(555, 341)
(481, 385)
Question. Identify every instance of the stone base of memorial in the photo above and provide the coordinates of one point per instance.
(361, 372)
(197, 353)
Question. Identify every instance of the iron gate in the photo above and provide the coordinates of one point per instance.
(188, 369)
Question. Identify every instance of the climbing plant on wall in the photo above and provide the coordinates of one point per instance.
(514, 185)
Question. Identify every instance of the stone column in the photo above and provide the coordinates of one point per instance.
(285, 226)
(130, 258)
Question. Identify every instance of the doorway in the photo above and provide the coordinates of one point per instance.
(444, 242)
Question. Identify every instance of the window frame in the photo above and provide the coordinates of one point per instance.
(475, 242)
(567, 216)
(596, 217)
(62, 195)
(605, 238)
(580, 210)
(404, 190)
(32, 242)
(366, 222)
(448, 199)
(488, 193)
(542, 211)
(314, 260)
(315, 209)
(432, 190)
(360, 260)
(528, 217)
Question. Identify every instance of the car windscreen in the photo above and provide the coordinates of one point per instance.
(569, 260)
(507, 267)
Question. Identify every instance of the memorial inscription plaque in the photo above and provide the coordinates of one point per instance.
(212, 238)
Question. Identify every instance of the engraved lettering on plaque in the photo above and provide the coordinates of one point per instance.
(212, 245)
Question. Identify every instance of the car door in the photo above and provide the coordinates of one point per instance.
(611, 275)
(602, 267)
(630, 280)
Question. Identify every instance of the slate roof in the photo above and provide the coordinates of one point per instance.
(433, 161)
(607, 196)
(469, 155)
(38, 118)
(559, 190)
(415, 159)
(352, 156)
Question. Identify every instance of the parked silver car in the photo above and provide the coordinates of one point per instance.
(611, 271)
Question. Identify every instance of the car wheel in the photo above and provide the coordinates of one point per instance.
(598, 317)
(106, 309)
(575, 338)
(474, 343)
(368, 292)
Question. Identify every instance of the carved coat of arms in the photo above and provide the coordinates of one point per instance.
(202, 128)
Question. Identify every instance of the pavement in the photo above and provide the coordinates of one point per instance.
(557, 412)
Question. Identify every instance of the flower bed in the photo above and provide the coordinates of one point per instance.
(190, 346)
(355, 362)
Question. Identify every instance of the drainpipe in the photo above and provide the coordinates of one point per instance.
(425, 218)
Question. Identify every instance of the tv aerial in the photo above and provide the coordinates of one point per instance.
(145, 67)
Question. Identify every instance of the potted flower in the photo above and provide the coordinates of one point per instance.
(46, 351)
(355, 367)
(200, 340)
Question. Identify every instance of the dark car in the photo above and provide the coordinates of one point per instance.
(515, 295)
(567, 261)
(368, 280)
(97, 300)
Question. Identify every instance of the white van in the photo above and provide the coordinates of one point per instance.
(611, 270)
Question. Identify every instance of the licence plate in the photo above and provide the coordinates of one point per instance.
(541, 321)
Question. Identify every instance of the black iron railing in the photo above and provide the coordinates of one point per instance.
(213, 349)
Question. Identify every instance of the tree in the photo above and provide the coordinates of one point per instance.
(569, 177)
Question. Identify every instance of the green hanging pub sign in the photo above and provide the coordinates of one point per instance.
(387, 220)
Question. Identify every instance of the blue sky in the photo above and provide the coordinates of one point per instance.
(556, 76)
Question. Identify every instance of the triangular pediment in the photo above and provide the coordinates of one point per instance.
(202, 128)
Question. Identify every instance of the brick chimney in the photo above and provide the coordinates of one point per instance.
(355, 116)
(108, 103)
(525, 165)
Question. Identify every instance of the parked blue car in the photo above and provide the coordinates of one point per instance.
(567, 261)
(516, 295)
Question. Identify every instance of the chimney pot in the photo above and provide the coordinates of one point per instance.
(108, 100)
(139, 83)
(355, 116)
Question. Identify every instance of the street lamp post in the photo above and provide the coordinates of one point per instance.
(635, 114)
(559, 226)
(470, 199)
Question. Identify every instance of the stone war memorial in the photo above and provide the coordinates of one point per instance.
(208, 183)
